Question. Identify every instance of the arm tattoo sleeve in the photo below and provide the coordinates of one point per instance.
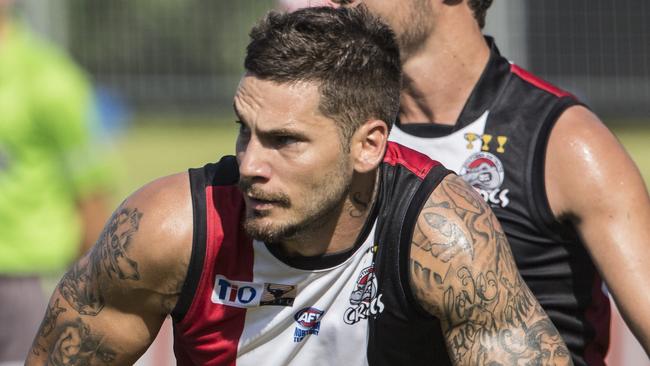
(75, 344)
(462, 271)
(82, 285)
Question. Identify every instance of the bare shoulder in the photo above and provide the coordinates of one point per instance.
(109, 305)
(456, 238)
(582, 149)
(144, 248)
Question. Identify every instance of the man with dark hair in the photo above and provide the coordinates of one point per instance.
(570, 200)
(319, 243)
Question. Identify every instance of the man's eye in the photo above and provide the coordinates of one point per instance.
(285, 140)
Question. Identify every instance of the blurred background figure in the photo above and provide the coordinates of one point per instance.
(54, 182)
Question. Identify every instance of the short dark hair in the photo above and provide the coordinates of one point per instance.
(352, 56)
(480, 7)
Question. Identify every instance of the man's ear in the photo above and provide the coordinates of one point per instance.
(368, 145)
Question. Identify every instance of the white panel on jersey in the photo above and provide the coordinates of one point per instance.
(327, 322)
(451, 150)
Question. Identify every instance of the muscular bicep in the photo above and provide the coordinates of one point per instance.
(109, 306)
(591, 180)
(462, 271)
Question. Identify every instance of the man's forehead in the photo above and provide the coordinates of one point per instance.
(253, 84)
(294, 102)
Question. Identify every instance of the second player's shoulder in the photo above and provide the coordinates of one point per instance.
(582, 149)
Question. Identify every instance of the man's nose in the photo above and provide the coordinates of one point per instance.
(254, 161)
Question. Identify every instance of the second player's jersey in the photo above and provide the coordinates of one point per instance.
(498, 146)
(244, 303)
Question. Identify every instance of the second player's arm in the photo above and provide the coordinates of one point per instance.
(592, 182)
(462, 271)
(108, 308)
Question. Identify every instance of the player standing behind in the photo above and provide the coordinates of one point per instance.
(568, 196)
(320, 243)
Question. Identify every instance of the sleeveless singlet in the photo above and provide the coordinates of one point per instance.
(498, 145)
(243, 303)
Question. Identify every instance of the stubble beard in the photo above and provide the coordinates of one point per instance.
(414, 29)
(325, 204)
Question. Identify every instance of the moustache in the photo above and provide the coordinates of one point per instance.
(251, 191)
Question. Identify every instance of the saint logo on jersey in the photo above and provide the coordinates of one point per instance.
(364, 299)
(243, 294)
(484, 171)
(308, 320)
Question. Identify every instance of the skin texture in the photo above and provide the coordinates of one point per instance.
(109, 306)
(612, 216)
(286, 149)
(462, 271)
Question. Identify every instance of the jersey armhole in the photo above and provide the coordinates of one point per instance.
(430, 183)
(539, 206)
(197, 258)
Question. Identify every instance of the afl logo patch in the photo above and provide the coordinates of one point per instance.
(308, 320)
(484, 171)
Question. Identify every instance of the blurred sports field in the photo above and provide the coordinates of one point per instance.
(155, 147)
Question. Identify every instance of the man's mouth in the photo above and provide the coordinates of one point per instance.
(259, 204)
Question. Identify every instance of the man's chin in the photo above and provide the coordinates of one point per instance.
(264, 230)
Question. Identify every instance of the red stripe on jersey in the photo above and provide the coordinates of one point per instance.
(210, 331)
(544, 85)
(418, 163)
(598, 314)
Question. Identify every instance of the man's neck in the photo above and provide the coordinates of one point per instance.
(439, 79)
(339, 231)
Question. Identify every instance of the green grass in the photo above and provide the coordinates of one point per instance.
(156, 148)
(152, 150)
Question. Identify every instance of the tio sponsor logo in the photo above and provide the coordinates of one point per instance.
(239, 294)
(308, 320)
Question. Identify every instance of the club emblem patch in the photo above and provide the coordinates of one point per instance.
(484, 172)
(364, 299)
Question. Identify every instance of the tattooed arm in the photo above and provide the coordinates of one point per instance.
(462, 271)
(109, 306)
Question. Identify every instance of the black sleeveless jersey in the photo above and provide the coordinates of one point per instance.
(245, 303)
(498, 145)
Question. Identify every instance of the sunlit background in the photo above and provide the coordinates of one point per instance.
(164, 73)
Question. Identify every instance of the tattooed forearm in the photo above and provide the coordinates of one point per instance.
(462, 271)
(75, 344)
(81, 286)
(47, 326)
